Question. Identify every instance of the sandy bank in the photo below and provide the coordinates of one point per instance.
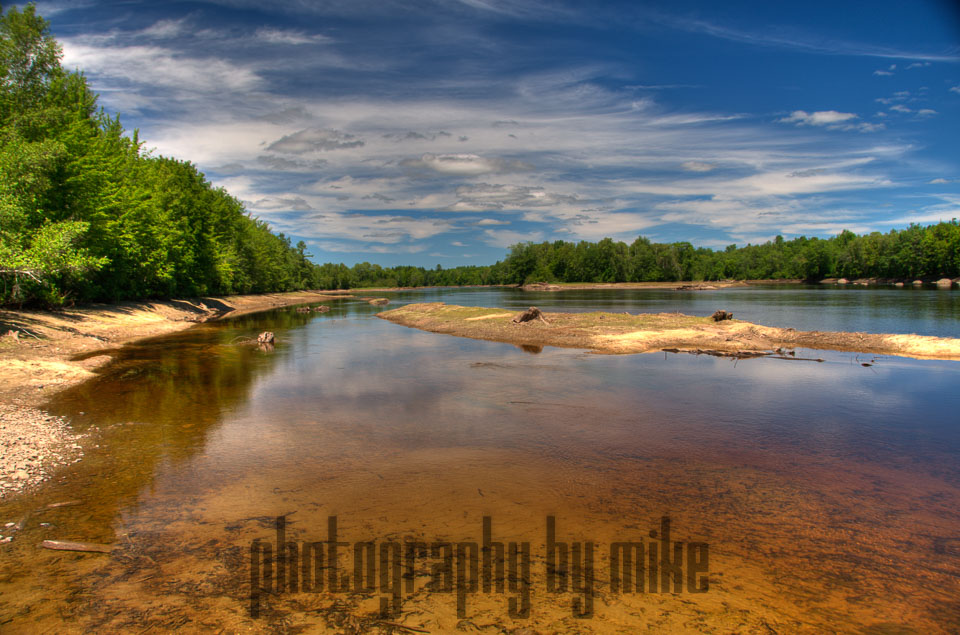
(649, 332)
(37, 361)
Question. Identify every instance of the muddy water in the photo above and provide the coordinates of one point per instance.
(827, 495)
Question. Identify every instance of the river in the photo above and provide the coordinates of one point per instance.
(807, 496)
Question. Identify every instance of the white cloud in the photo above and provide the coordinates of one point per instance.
(315, 140)
(955, 89)
(368, 228)
(882, 73)
(486, 196)
(819, 118)
(597, 225)
(349, 160)
(830, 119)
(900, 108)
(159, 68)
(287, 36)
(465, 164)
(507, 237)
(164, 29)
(939, 181)
(926, 112)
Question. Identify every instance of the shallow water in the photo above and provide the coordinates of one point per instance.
(827, 494)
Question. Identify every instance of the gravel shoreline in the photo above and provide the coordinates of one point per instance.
(33, 445)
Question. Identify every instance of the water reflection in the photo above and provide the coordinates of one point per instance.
(828, 492)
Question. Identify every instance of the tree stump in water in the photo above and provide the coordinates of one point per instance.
(323, 308)
(719, 316)
(265, 338)
(533, 313)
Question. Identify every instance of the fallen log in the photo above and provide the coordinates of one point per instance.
(66, 545)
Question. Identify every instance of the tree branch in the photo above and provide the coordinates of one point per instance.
(20, 272)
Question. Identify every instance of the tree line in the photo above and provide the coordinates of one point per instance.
(929, 252)
(87, 214)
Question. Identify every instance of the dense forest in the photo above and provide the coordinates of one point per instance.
(916, 252)
(87, 214)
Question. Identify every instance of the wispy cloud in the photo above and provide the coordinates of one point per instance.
(408, 128)
(798, 40)
(465, 164)
(697, 166)
(159, 67)
(830, 119)
(288, 36)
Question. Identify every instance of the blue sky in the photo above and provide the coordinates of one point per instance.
(443, 131)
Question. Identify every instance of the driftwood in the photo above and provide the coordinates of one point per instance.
(412, 629)
(533, 313)
(64, 504)
(265, 338)
(719, 316)
(323, 308)
(744, 354)
(379, 301)
(66, 545)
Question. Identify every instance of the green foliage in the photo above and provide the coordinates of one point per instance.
(915, 252)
